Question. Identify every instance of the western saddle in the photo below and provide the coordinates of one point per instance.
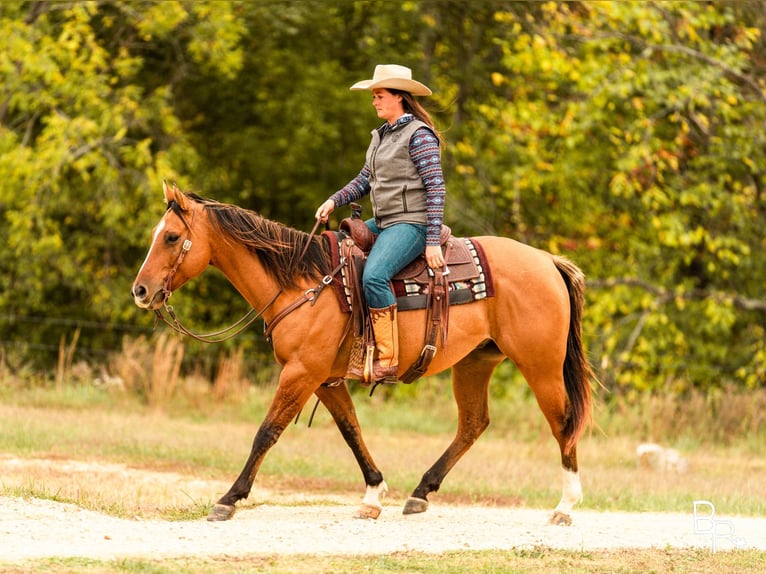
(355, 240)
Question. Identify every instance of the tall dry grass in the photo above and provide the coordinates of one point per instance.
(158, 371)
(230, 379)
(154, 369)
(66, 358)
(150, 367)
(716, 416)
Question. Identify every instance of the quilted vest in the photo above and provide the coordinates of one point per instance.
(396, 189)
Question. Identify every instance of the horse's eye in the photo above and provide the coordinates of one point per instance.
(172, 238)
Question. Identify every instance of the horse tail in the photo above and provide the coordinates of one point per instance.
(577, 370)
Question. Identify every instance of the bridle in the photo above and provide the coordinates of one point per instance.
(166, 290)
(308, 296)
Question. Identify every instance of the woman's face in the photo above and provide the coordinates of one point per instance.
(389, 106)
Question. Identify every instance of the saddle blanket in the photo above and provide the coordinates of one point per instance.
(411, 293)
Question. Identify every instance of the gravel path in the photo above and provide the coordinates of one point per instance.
(33, 528)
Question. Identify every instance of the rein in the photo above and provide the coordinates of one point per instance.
(217, 336)
(248, 318)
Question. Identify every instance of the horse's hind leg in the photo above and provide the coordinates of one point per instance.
(571, 489)
(551, 396)
(338, 401)
(470, 382)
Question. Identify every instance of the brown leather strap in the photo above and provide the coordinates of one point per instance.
(218, 336)
(310, 295)
(250, 316)
(166, 286)
(437, 317)
(355, 259)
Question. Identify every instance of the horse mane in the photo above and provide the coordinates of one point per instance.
(277, 246)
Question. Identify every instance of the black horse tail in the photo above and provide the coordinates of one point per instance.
(577, 371)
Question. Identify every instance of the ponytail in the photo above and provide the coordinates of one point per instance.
(414, 107)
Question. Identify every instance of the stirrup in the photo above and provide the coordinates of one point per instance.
(390, 375)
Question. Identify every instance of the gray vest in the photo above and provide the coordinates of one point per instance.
(396, 189)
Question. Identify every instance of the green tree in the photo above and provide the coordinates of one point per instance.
(626, 134)
(83, 130)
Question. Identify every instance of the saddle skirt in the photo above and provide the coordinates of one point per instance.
(467, 272)
(464, 279)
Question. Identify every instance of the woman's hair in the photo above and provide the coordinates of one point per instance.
(414, 107)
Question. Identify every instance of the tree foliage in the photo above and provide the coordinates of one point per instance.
(626, 135)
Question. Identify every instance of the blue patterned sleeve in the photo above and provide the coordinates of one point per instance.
(354, 190)
(425, 154)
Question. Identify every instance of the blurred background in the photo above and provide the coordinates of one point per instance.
(627, 136)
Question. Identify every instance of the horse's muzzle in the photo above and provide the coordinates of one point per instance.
(142, 297)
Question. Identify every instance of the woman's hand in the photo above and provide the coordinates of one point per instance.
(434, 257)
(324, 211)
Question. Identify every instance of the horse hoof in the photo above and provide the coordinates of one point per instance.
(415, 505)
(560, 519)
(220, 512)
(368, 511)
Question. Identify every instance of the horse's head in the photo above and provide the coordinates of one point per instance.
(179, 251)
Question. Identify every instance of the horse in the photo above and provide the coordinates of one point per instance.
(534, 319)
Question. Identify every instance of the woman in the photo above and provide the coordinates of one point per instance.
(403, 175)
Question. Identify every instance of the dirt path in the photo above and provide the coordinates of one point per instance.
(40, 528)
(301, 523)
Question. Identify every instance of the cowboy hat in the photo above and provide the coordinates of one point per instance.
(394, 77)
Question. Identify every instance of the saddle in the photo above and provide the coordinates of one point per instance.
(416, 287)
(460, 263)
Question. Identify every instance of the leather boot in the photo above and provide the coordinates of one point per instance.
(384, 323)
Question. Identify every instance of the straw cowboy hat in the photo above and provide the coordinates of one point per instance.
(394, 77)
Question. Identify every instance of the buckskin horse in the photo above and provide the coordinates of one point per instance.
(533, 318)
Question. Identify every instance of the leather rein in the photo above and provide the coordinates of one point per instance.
(308, 296)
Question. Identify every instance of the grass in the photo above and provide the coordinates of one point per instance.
(170, 453)
(516, 462)
(521, 561)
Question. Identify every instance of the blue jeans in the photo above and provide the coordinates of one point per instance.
(395, 247)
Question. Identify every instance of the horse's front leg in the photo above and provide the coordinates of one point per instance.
(338, 401)
(470, 384)
(294, 389)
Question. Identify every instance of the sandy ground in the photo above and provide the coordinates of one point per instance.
(318, 523)
(33, 528)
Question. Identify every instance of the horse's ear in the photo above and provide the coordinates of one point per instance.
(172, 193)
(166, 191)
